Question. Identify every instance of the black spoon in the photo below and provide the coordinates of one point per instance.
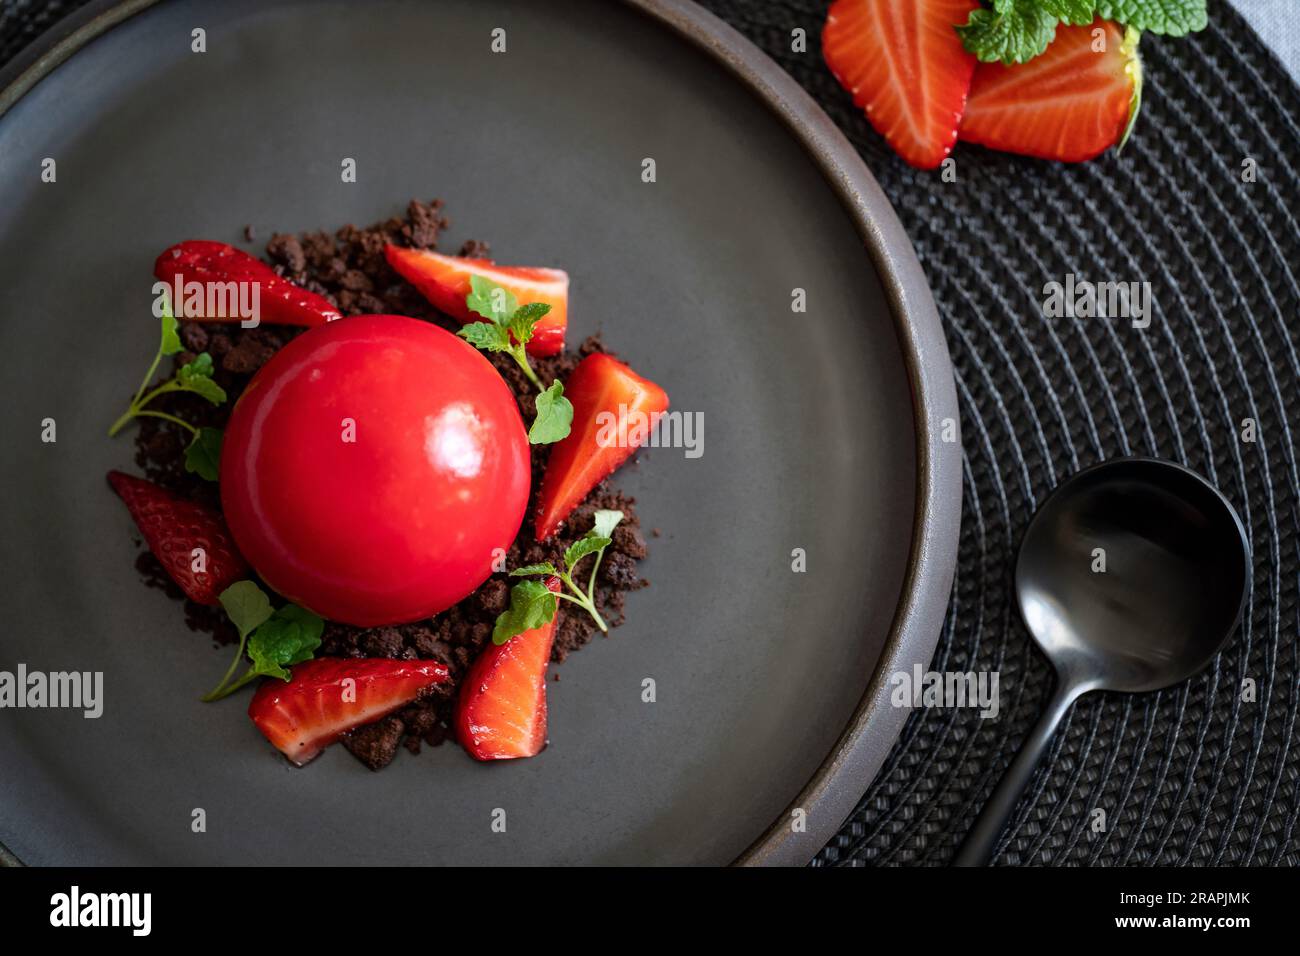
(1176, 565)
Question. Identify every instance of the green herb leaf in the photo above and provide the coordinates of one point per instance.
(493, 302)
(290, 636)
(1014, 31)
(554, 416)
(1171, 17)
(246, 605)
(196, 376)
(524, 318)
(604, 523)
(171, 340)
(1076, 12)
(203, 453)
(587, 544)
(486, 336)
(532, 604)
(527, 569)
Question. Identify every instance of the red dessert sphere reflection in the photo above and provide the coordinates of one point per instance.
(372, 467)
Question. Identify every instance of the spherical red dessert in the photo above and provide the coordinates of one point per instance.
(372, 467)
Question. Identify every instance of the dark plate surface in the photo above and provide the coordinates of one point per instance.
(765, 692)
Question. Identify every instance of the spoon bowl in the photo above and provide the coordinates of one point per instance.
(1131, 576)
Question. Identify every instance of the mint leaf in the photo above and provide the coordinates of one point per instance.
(554, 416)
(532, 604)
(246, 605)
(486, 336)
(203, 453)
(523, 320)
(587, 544)
(171, 341)
(493, 302)
(290, 636)
(1076, 12)
(196, 376)
(527, 569)
(604, 523)
(1014, 31)
(1175, 18)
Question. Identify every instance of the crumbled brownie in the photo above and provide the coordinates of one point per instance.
(375, 745)
(348, 268)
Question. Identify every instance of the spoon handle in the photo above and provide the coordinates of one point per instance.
(983, 837)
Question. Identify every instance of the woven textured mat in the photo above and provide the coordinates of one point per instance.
(1191, 775)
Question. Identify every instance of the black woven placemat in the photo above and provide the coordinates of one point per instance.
(1198, 774)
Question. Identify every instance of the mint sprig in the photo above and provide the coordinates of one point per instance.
(509, 328)
(275, 640)
(1016, 31)
(529, 608)
(195, 378)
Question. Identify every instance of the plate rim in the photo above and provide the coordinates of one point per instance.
(829, 796)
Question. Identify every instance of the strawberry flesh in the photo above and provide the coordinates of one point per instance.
(904, 64)
(173, 528)
(1070, 103)
(501, 711)
(603, 391)
(444, 281)
(327, 697)
(280, 302)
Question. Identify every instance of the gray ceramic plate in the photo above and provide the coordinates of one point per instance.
(822, 428)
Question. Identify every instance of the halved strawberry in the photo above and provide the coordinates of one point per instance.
(501, 711)
(176, 530)
(328, 696)
(444, 281)
(280, 301)
(614, 412)
(1070, 103)
(906, 67)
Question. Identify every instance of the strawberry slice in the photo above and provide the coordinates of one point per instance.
(444, 281)
(906, 67)
(614, 411)
(1070, 103)
(501, 711)
(328, 696)
(280, 302)
(174, 528)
